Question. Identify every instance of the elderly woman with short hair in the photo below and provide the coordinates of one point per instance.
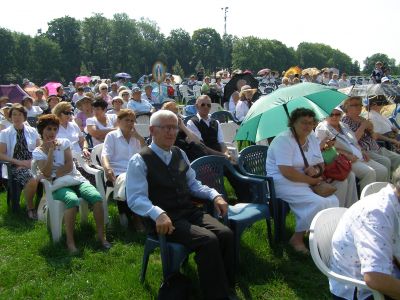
(52, 101)
(68, 129)
(16, 145)
(32, 110)
(101, 123)
(40, 101)
(103, 93)
(364, 132)
(345, 142)
(119, 146)
(292, 179)
(84, 105)
(117, 104)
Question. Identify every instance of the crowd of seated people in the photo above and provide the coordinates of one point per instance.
(61, 132)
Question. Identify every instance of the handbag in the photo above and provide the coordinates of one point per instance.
(119, 188)
(65, 181)
(339, 169)
(323, 189)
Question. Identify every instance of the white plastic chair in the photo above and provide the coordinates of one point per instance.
(95, 157)
(197, 91)
(321, 231)
(215, 107)
(229, 132)
(184, 90)
(143, 130)
(56, 209)
(372, 188)
(143, 119)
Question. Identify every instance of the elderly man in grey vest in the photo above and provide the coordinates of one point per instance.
(160, 185)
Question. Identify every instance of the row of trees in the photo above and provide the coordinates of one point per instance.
(101, 46)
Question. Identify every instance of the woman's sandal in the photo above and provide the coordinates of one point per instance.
(32, 214)
(301, 249)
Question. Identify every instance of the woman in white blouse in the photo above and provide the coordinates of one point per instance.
(119, 146)
(54, 160)
(292, 179)
(244, 103)
(33, 111)
(69, 129)
(101, 123)
(16, 145)
(366, 170)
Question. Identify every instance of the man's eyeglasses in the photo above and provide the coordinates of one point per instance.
(104, 89)
(335, 115)
(67, 113)
(125, 94)
(168, 128)
(205, 104)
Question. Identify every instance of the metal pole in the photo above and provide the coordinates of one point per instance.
(225, 9)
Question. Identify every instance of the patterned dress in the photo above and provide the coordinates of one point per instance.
(21, 152)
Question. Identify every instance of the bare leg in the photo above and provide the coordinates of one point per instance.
(30, 191)
(69, 219)
(98, 214)
(297, 242)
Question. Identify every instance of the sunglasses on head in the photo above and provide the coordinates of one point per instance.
(68, 113)
(205, 104)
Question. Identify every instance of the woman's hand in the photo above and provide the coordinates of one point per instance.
(110, 175)
(315, 181)
(24, 164)
(50, 146)
(365, 156)
(351, 157)
(86, 153)
(311, 171)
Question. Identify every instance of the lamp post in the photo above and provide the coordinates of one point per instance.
(225, 9)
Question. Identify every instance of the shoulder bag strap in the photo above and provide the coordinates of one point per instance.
(301, 149)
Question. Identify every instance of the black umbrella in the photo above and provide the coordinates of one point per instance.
(231, 86)
(390, 91)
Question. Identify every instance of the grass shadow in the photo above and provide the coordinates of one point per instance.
(288, 269)
(16, 222)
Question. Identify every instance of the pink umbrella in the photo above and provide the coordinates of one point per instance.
(52, 87)
(83, 79)
(263, 72)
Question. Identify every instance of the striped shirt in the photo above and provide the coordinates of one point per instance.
(366, 142)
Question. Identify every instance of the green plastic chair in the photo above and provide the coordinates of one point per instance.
(210, 171)
(252, 162)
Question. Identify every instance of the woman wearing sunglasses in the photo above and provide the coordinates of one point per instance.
(345, 142)
(69, 129)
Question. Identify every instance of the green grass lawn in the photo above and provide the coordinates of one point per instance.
(32, 267)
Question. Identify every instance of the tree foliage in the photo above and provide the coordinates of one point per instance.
(321, 55)
(7, 54)
(178, 46)
(46, 59)
(254, 53)
(101, 46)
(207, 47)
(369, 63)
(66, 33)
(96, 52)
